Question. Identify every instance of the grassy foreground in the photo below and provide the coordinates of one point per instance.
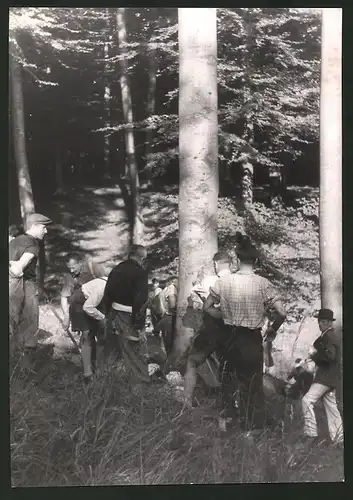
(115, 434)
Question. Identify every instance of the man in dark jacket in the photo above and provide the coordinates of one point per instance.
(125, 294)
(326, 355)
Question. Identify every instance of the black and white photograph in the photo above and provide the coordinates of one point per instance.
(175, 246)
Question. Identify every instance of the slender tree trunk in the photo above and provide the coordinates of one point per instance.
(136, 216)
(198, 153)
(151, 99)
(107, 98)
(247, 166)
(331, 163)
(19, 141)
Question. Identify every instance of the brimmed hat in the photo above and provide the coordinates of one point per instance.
(325, 314)
(37, 219)
(244, 247)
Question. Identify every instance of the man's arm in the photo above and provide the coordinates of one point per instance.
(171, 297)
(280, 316)
(108, 300)
(140, 298)
(213, 298)
(94, 298)
(209, 308)
(17, 267)
(64, 302)
(66, 292)
(327, 351)
(172, 301)
(272, 300)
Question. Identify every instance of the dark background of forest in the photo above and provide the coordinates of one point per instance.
(66, 119)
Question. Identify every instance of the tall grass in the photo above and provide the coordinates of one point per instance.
(109, 434)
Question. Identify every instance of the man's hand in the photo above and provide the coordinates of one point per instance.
(142, 335)
(270, 334)
(214, 312)
(15, 269)
(312, 352)
(44, 296)
(101, 324)
(66, 322)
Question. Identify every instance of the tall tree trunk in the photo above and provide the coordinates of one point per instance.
(19, 141)
(151, 99)
(331, 163)
(107, 98)
(198, 154)
(136, 216)
(247, 166)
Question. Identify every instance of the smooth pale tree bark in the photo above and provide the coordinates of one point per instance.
(19, 141)
(137, 228)
(107, 98)
(198, 154)
(331, 163)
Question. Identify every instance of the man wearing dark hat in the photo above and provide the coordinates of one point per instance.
(23, 291)
(326, 355)
(245, 299)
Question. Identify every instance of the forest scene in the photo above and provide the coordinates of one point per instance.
(174, 130)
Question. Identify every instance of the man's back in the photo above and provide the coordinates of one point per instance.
(244, 298)
(125, 280)
(127, 285)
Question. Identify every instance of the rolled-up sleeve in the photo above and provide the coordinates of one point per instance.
(67, 285)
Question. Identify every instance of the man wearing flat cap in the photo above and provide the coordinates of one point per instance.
(245, 299)
(23, 291)
(326, 355)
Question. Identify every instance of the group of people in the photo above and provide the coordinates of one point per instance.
(240, 313)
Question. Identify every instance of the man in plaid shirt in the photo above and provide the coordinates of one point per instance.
(244, 300)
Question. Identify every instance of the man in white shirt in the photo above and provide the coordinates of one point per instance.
(93, 325)
(208, 338)
(93, 292)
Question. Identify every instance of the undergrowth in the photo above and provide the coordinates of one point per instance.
(116, 434)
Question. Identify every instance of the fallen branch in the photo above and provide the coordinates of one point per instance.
(65, 329)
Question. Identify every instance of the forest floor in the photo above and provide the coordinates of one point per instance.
(112, 435)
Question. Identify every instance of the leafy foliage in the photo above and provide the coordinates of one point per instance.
(268, 72)
(269, 68)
